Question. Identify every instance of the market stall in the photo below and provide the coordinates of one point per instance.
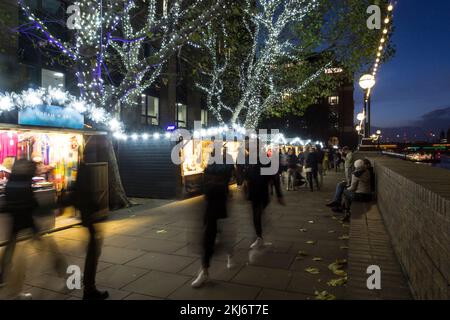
(195, 156)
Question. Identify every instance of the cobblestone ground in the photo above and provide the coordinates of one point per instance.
(148, 254)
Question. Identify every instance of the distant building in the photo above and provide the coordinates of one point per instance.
(330, 120)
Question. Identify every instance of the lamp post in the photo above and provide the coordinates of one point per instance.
(367, 82)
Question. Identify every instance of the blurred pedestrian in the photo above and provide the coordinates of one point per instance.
(320, 169)
(217, 178)
(326, 162)
(292, 161)
(258, 194)
(21, 204)
(84, 199)
(312, 167)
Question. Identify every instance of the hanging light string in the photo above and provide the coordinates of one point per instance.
(384, 39)
(387, 24)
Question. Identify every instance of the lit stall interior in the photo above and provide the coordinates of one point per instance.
(57, 155)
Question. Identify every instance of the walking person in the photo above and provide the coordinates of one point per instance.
(258, 194)
(217, 179)
(20, 205)
(292, 161)
(283, 166)
(311, 168)
(320, 169)
(83, 198)
(326, 163)
(337, 160)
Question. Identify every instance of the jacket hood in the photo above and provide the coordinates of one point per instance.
(362, 174)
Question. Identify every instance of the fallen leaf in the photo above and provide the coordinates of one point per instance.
(311, 242)
(336, 267)
(303, 253)
(345, 225)
(324, 295)
(317, 259)
(337, 282)
(331, 231)
(334, 217)
(340, 273)
(344, 248)
(312, 270)
(302, 230)
(161, 231)
(311, 221)
(344, 237)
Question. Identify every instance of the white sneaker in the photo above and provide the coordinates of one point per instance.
(24, 296)
(230, 262)
(200, 280)
(257, 244)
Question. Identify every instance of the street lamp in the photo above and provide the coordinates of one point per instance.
(367, 82)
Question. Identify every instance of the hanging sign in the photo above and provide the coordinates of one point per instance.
(51, 116)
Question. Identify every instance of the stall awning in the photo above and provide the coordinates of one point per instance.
(8, 126)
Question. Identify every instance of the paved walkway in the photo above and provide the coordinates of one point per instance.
(147, 253)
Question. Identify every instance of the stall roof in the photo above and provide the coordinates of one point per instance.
(8, 126)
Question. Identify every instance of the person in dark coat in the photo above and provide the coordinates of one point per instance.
(20, 204)
(312, 167)
(85, 201)
(217, 178)
(258, 194)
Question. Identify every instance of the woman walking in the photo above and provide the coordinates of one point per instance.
(217, 178)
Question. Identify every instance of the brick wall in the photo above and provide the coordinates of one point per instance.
(414, 201)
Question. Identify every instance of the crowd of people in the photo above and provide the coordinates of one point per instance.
(307, 167)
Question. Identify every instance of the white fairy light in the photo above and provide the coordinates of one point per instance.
(6, 103)
(114, 125)
(32, 98)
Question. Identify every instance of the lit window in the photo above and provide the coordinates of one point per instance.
(334, 100)
(149, 110)
(204, 117)
(181, 116)
(53, 79)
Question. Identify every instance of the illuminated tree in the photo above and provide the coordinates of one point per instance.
(118, 49)
(293, 43)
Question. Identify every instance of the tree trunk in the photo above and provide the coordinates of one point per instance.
(117, 196)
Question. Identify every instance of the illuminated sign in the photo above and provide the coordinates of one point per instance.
(51, 116)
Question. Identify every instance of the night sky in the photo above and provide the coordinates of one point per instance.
(416, 81)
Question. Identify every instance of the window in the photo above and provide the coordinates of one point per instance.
(149, 110)
(53, 78)
(181, 116)
(334, 100)
(204, 117)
